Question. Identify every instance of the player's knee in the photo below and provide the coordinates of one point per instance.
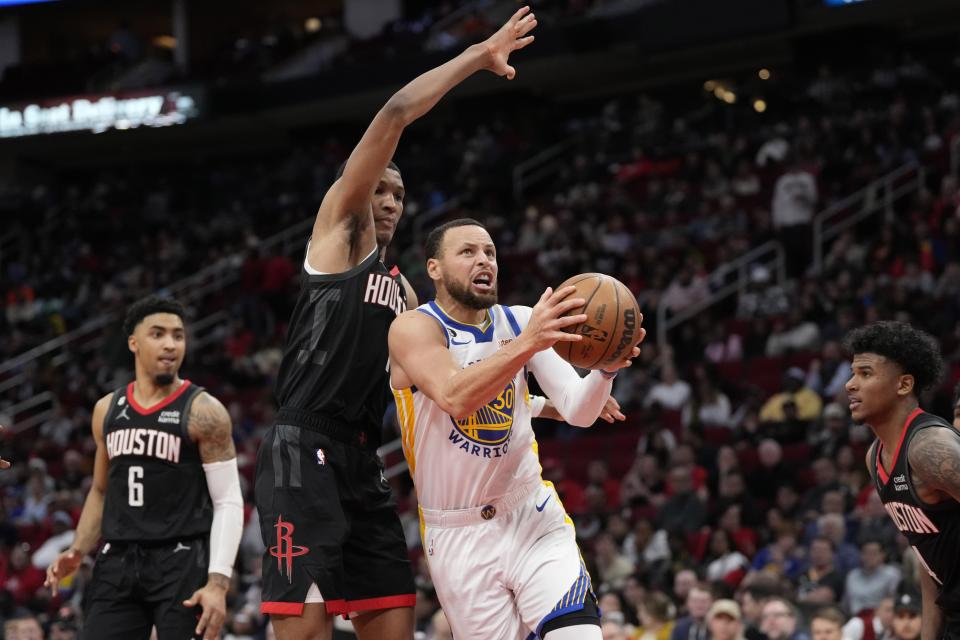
(576, 625)
(312, 624)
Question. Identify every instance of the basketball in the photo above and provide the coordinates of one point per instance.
(612, 328)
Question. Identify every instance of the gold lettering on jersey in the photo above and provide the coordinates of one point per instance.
(909, 518)
(384, 291)
(151, 443)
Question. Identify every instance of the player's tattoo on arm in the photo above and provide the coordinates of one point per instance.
(935, 461)
(212, 430)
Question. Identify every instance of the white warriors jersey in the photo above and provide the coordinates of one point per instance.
(458, 464)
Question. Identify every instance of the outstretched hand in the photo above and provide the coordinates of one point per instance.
(63, 566)
(212, 599)
(611, 411)
(510, 37)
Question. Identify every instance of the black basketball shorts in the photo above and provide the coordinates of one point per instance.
(136, 586)
(328, 517)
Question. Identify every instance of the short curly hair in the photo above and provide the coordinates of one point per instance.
(148, 306)
(916, 351)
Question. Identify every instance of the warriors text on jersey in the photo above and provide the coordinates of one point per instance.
(156, 487)
(932, 529)
(491, 450)
(335, 358)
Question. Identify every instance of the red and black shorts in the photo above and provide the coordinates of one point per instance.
(328, 517)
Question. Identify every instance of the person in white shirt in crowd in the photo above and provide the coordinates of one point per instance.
(645, 545)
(872, 581)
(795, 333)
(725, 557)
(686, 289)
(880, 620)
(671, 392)
(794, 205)
(708, 406)
(60, 540)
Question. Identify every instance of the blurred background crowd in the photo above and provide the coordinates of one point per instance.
(759, 205)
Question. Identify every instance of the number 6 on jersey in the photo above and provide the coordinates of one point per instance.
(134, 487)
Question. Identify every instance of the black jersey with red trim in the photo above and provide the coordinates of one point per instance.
(933, 530)
(335, 360)
(156, 487)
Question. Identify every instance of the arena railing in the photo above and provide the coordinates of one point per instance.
(193, 289)
(539, 167)
(729, 278)
(879, 196)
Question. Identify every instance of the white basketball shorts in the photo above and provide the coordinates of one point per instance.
(504, 570)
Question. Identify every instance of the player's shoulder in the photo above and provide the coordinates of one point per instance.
(518, 312)
(208, 415)
(414, 322)
(932, 439)
(103, 404)
(206, 402)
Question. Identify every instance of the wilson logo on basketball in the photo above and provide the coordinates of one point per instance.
(286, 551)
(629, 329)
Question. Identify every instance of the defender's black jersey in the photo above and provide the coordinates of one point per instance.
(156, 487)
(335, 358)
(932, 529)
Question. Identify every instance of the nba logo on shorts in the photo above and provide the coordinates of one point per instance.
(321, 457)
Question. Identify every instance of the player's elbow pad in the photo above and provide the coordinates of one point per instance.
(223, 483)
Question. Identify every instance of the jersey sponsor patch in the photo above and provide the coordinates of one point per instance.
(169, 417)
(900, 483)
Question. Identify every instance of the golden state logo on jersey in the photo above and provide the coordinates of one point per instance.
(486, 433)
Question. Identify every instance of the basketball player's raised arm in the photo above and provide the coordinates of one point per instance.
(210, 427)
(419, 355)
(88, 529)
(350, 195)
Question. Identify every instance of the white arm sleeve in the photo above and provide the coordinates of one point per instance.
(579, 400)
(223, 482)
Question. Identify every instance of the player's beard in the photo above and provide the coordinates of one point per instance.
(164, 379)
(468, 298)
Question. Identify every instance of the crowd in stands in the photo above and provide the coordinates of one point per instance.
(276, 47)
(733, 503)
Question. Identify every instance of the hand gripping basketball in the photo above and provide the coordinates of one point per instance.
(548, 320)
